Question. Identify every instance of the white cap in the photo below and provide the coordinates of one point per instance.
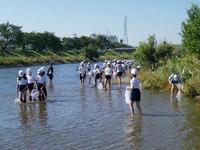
(138, 67)
(81, 63)
(21, 73)
(28, 71)
(134, 71)
(42, 69)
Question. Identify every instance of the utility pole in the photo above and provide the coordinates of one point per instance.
(125, 31)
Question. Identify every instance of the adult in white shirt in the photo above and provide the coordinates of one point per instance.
(31, 81)
(108, 74)
(22, 85)
(135, 92)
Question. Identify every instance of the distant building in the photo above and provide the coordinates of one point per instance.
(125, 49)
(112, 38)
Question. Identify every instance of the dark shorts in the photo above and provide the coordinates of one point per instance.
(98, 76)
(50, 76)
(82, 76)
(135, 95)
(30, 86)
(119, 74)
(42, 87)
(22, 88)
(108, 77)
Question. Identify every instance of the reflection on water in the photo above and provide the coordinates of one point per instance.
(135, 132)
(42, 114)
(89, 118)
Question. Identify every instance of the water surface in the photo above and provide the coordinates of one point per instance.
(88, 118)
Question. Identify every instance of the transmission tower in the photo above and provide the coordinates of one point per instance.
(125, 31)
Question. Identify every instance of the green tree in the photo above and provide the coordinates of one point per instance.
(68, 43)
(164, 51)
(191, 30)
(145, 53)
(91, 52)
(10, 35)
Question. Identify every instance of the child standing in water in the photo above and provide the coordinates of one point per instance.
(41, 84)
(108, 75)
(31, 81)
(135, 92)
(22, 85)
(50, 71)
(82, 72)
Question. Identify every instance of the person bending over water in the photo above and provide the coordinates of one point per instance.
(174, 80)
(135, 92)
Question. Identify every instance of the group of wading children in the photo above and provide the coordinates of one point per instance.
(117, 69)
(34, 86)
(113, 69)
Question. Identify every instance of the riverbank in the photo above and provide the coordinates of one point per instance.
(188, 69)
(30, 57)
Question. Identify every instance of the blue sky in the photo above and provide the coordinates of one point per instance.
(83, 17)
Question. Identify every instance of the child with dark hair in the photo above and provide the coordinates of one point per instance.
(50, 71)
(22, 85)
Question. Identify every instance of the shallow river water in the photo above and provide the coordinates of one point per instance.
(87, 118)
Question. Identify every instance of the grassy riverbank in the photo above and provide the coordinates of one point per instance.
(188, 69)
(30, 57)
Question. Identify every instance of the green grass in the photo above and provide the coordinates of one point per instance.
(188, 69)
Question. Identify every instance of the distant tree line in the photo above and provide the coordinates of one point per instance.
(13, 38)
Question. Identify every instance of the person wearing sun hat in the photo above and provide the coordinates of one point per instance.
(108, 75)
(82, 73)
(22, 85)
(31, 81)
(41, 83)
(135, 96)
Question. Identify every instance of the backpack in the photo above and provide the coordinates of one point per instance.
(174, 79)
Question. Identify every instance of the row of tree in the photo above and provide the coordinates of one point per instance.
(12, 37)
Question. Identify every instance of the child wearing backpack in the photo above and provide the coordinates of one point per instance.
(174, 80)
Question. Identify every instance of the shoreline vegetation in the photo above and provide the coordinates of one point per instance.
(154, 79)
(158, 60)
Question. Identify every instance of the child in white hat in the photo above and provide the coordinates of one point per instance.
(135, 96)
(22, 85)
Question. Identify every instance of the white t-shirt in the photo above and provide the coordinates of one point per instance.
(88, 66)
(81, 69)
(41, 79)
(119, 68)
(22, 81)
(31, 79)
(108, 71)
(135, 83)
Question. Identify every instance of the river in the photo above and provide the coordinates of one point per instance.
(87, 118)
